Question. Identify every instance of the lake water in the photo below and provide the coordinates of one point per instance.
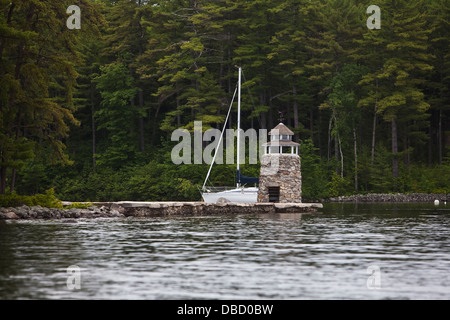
(370, 251)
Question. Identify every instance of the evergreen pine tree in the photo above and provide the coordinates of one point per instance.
(402, 49)
(38, 54)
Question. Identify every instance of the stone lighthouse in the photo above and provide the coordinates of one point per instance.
(280, 178)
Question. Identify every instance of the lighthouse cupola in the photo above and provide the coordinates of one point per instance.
(280, 177)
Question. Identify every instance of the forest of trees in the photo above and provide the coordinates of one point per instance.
(90, 111)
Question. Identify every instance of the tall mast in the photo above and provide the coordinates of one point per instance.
(239, 125)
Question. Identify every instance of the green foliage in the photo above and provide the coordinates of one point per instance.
(117, 90)
(38, 77)
(338, 186)
(90, 112)
(429, 180)
(380, 172)
(78, 205)
(44, 200)
(153, 181)
(314, 173)
(162, 182)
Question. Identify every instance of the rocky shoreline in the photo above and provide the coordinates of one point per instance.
(118, 210)
(154, 209)
(38, 212)
(395, 197)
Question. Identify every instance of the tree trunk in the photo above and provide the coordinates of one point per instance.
(406, 156)
(394, 148)
(155, 123)
(287, 120)
(263, 120)
(374, 126)
(262, 101)
(440, 113)
(94, 143)
(319, 130)
(355, 150)
(141, 90)
(2, 180)
(270, 113)
(329, 139)
(440, 136)
(177, 101)
(342, 156)
(13, 180)
(430, 148)
(141, 122)
(270, 120)
(295, 106)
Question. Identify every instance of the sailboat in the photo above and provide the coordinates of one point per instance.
(240, 193)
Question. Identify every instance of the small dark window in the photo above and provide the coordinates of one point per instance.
(274, 194)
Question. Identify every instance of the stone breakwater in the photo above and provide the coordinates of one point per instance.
(38, 212)
(155, 209)
(397, 197)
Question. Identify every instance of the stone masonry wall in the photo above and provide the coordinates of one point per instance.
(152, 209)
(281, 170)
(396, 197)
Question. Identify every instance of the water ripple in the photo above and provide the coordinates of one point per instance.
(323, 256)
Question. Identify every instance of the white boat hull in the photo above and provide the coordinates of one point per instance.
(239, 195)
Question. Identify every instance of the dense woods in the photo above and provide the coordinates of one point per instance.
(90, 111)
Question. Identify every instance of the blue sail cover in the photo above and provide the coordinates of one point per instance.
(241, 179)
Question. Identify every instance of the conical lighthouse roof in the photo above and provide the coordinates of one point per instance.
(282, 129)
